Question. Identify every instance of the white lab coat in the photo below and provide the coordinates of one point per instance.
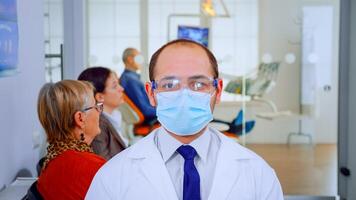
(139, 173)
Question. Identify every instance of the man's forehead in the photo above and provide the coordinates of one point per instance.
(183, 47)
(181, 52)
(182, 59)
(181, 66)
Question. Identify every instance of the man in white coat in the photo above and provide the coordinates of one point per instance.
(185, 159)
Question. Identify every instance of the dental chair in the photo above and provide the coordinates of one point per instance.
(255, 85)
(258, 84)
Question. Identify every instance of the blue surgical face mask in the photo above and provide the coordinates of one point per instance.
(184, 112)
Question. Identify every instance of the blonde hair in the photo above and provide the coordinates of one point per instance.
(57, 103)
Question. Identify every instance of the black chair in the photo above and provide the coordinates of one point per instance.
(40, 165)
(33, 193)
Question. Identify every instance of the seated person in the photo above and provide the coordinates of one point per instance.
(107, 90)
(134, 88)
(69, 115)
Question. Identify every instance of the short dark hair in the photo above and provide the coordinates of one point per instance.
(97, 76)
(210, 55)
(127, 53)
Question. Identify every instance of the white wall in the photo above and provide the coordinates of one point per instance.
(18, 95)
(113, 26)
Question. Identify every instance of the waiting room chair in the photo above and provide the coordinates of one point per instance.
(33, 193)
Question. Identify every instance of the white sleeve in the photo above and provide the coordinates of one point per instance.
(98, 189)
(275, 192)
(272, 189)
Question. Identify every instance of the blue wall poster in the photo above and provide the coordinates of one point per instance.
(8, 37)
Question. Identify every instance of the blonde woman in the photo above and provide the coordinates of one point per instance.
(69, 115)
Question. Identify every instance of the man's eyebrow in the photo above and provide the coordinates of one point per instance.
(191, 77)
(169, 77)
(197, 77)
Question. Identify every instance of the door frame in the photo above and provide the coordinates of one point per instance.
(347, 95)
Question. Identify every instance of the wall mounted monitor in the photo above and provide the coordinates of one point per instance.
(197, 34)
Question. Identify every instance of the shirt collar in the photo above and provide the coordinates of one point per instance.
(115, 118)
(168, 144)
(107, 115)
(131, 72)
(201, 144)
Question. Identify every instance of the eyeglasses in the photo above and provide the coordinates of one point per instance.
(98, 106)
(195, 83)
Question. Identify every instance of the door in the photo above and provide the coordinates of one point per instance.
(320, 69)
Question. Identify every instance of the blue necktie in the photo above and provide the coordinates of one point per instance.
(191, 183)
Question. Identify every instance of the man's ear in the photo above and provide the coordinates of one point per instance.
(130, 59)
(149, 91)
(79, 119)
(99, 97)
(219, 91)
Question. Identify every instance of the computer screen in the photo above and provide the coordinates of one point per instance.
(197, 34)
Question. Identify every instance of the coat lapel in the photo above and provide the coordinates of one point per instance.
(154, 168)
(227, 170)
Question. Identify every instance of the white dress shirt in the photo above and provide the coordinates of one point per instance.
(207, 147)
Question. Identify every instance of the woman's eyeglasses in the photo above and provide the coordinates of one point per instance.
(98, 106)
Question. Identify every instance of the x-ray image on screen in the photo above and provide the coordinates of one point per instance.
(8, 10)
(8, 37)
(8, 44)
(197, 34)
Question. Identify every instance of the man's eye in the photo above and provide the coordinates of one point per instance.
(199, 85)
(168, 86)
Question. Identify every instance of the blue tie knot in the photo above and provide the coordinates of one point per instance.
(187, 151)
